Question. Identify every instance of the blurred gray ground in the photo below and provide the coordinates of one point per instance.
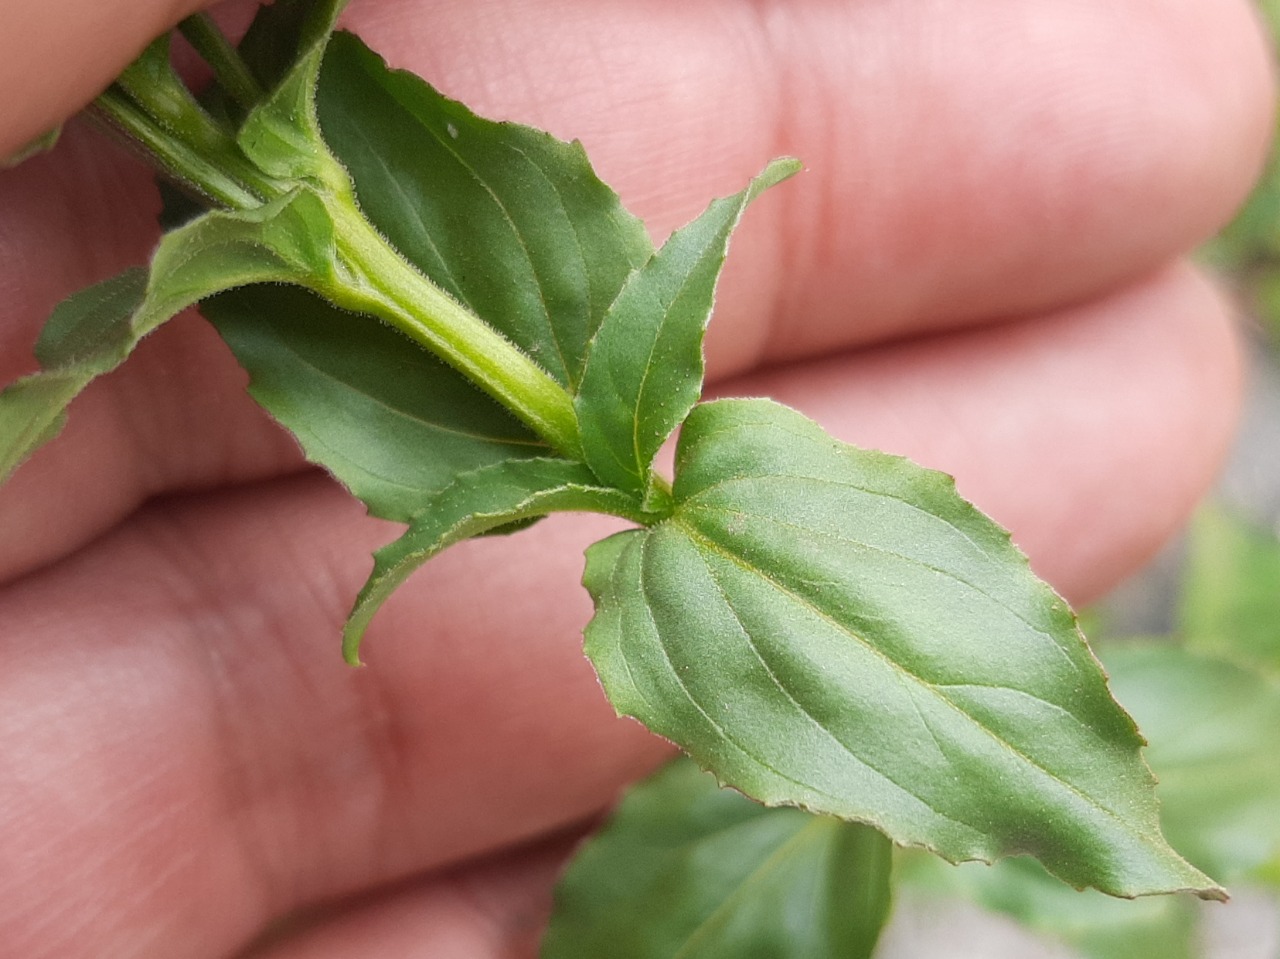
(1249, 926)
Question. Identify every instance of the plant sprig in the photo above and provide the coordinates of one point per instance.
(460, 322)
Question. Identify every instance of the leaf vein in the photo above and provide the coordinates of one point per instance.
(884, 551)
(675, 673)
(782, 688)
(1000, 741)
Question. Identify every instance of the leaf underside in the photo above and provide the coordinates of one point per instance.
(94, 331)
(509, 221)
(388, 419)
(836, 629)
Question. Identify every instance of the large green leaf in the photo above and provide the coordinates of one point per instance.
(509, 221)
(1230, 599)
(476, 503)
(836, 629)
(686, 869)
(95, 330)
(388, 419)
(644, 369)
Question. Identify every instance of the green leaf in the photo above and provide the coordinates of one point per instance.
(286, 33)
(511, 222)
(836, 629)
(95, 324)
(686, 869)
(475, 503)
(644, 368)
(394, 424)
(95, 330)
(1212, 727)
(1230, 601)
(1094, 925)
(282, 135)
(41, 144)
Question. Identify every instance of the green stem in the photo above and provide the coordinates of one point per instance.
(383, 283)
(216, 50)
(173, 155)
(151, 106)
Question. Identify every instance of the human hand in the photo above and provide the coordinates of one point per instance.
(978, 270)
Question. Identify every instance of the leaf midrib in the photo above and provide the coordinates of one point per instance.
(758, 760)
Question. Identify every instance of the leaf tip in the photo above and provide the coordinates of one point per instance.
(777, 170)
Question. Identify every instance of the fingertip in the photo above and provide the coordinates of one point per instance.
(55, 57)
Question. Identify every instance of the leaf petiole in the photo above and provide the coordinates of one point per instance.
(229, 68)
(173, 155)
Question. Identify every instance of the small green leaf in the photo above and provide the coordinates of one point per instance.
(644, 367)
(476, 503)
(90, 334)
(95, 330)
(836, 629)
(1230, 601)
(686, 869)
(41, 144)
(284, 34)
(394, 424)
(281, 135)
(510, 222)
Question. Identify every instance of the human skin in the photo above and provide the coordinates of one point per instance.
(981, 268)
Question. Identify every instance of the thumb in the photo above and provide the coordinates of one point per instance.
(56, 57)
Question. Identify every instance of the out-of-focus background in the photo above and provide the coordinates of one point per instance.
(1193, 648)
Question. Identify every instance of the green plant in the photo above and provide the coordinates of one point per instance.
(824, 627)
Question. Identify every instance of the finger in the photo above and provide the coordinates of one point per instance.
(40, 41)
(964, 163)
(1139, 451)
(494, 909)
(189, 746)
